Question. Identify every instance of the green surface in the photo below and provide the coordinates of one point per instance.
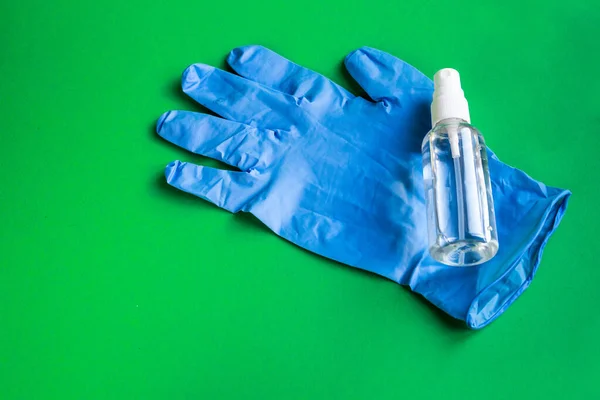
(115, 286)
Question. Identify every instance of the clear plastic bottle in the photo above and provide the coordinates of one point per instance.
(460, 207)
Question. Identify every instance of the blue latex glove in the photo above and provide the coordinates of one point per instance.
(341, 175)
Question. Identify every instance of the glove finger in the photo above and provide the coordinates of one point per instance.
(236, 98)
(236, 144)
(385, 77)
(230, 190)
(266, 67)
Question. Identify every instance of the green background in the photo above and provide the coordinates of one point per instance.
(115, 286)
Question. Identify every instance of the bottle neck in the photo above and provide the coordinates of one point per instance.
(451, 121)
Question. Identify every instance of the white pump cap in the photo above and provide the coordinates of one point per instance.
(448, 97)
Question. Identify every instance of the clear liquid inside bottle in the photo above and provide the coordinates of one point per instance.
(460, 207)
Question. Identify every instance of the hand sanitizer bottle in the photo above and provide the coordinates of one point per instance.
(460, 208)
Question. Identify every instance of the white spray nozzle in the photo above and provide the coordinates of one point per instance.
(448, 97)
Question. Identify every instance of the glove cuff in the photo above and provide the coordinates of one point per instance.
(492, 301)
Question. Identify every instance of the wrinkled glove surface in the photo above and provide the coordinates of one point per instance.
(341, 175)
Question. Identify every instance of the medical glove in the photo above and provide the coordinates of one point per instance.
(341, 175)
